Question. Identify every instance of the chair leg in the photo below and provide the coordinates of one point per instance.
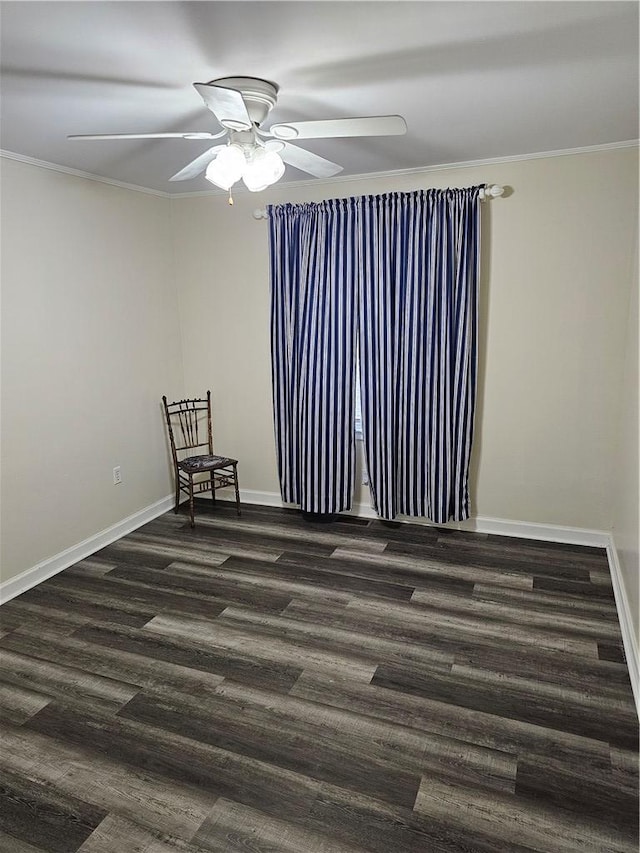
(235, 481)
(177, 476)
(193, 524)
(213, 488)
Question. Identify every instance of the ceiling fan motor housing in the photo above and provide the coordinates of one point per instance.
(260, 96)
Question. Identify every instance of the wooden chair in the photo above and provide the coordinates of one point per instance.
(187, 421)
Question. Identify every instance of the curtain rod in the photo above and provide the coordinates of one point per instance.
(488, 191)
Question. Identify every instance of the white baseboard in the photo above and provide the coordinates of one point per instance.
(624, 617)
(481, 524)
(507, 527)
(249, 496)
(51, 566)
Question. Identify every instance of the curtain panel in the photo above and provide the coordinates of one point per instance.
(395, 276)
(313, 259)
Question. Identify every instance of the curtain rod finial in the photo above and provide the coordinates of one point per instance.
(493, 190)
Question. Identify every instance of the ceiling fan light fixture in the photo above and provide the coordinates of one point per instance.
(263, 168)
(227, 168)
(257, 168)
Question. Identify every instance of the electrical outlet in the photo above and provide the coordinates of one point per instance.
(117, 475)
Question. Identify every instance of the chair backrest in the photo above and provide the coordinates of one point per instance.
(189, 425)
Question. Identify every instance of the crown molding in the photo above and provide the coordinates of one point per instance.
(368, 176)
(77, 173)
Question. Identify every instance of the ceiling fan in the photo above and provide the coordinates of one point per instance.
(241, 104)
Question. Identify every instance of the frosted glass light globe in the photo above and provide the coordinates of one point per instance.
(227, 168)
(263, 169)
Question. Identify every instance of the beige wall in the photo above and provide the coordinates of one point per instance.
(555, 291)
(89, 343)
(625, 498)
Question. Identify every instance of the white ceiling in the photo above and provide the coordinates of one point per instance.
(474, 80)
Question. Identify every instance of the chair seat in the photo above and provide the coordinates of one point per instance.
(195, 464)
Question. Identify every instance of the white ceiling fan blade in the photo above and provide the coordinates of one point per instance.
(227, 105)
(196, 167)
(195, 134)
(368, 126)
(308, 162)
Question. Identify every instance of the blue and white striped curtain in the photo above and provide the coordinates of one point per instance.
(418, 354)
(404, 269)
(313, 255)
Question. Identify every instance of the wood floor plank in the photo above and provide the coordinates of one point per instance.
(293, 534)
(601, 797)
(63, 822)
(517, 699)
(575, 625)
(548, 602)
(180, 649)
(601, 577)
(129, 593)
(316, 751)
(329, 572)
(18, 703)
(260, 647)
(559, 550)
(267, 683)
(212, 587)
(516, 821)
(457, 626)
(145, 548)
(224, 533)
(570, 700)
(118, 833)
(480, 557)
(548, 667)
(431, 567)
(391, 743)
(101, 660)
(504, 734)
(500, 548)
(357, 566)
(613, 652)
(522, 552)
(195, 548)
(272, 578)
(235, 828)
(151, 801)
(495, 648)
(90, 566)
(310, 634)
(38, 615)
(382, 829)
(61, 599)
(582, 588)
(24, 671)
(279, 792)
(11, 844)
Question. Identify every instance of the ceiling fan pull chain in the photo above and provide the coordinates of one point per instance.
(230, 196)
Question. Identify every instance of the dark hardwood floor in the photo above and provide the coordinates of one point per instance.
(264, 683)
